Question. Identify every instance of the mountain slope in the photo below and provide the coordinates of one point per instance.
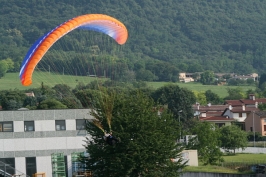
(219, 35)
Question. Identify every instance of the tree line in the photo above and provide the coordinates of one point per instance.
(164, 37)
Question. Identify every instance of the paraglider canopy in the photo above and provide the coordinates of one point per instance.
(95, 22)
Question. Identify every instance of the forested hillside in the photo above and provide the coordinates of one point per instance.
(165, 37)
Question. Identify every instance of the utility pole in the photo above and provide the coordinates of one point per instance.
(253, 129)
(179, 124)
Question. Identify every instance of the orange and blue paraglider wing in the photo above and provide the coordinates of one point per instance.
(95, 22)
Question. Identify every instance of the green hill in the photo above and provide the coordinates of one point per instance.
(170, 35)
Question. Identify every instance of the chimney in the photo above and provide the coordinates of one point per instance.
(251, 96)
(230, 107)
(243, 107)
(256, 104)
(198, 105)
(209, 104)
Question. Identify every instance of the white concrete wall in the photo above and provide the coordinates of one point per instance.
(44, 164)
(33, 144)
(44, 125)
(20, 164)
(70, 124)
(18, 126)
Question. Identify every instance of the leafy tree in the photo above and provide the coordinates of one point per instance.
(147, 141)
(262, 106)
(10, 64)
(195, 76)
(262, 80)
(13, 105)
(200, 97)
(30, 102)
(207, 78)
(235, 94)
(212, 98)
(250, 81)
(3, 68)
(88, 97)
(51, 104)
(207, 142)
(232, 138)
(66, 96)
(226, 76)
(12, 99)
(145, 75)
(176, 99)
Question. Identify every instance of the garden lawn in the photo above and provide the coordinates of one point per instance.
(231, 164)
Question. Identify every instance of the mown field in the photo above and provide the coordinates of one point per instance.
(11, 81)
(239, 164)
(220, 90)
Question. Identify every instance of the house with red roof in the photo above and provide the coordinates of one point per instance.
(252, 101)
(208, 110)
(212, 113)
(239, 114)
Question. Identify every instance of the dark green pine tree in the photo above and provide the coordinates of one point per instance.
(147, 140)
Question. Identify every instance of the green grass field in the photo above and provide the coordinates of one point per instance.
(220, 90)
(11, 81)
(232, 164)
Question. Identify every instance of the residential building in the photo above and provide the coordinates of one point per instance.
(186, 77)
(212, 113)
(218, 120)
(256, 121)
(252, 101)
(239, 114)
(208, 110)
(29, 138)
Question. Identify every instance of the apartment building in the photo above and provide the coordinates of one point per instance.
(28, 138)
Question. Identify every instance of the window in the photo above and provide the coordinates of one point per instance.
(264, 120)
(264, 127)
(31, 165)
(66, 165)
(6, 126)
(240, 114)
(8, 164)
(29, 126)
(80, 124)
(60, 125)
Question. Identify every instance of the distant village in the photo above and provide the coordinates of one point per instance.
(191, 77)
(244, 113)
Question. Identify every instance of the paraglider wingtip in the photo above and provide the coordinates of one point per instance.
(26, 83)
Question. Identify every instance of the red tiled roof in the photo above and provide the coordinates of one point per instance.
(247, 109)
(259, 100)
(240, 102)
(217, 118)
(234, 102)
(210, 108)
(217, 113)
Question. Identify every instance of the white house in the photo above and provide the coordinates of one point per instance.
(29, 138)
